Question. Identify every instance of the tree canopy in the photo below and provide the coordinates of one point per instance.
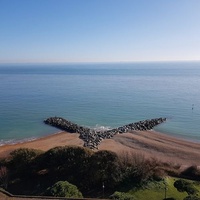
(64, 189)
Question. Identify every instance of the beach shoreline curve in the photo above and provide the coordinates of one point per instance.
(151, 144)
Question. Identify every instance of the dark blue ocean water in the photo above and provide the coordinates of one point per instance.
(99, 95)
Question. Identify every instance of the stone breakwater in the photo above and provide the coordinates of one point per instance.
(92, 138)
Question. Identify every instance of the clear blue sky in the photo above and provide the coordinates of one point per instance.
(99, 30)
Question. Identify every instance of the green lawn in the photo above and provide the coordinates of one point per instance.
(156, 190)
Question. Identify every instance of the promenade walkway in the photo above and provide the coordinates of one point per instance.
(7, 196)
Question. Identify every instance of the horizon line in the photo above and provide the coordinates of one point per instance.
(95, 62)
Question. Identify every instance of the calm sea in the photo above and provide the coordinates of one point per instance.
(99, 95)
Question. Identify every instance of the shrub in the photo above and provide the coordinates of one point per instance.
(192, 172)
(64, 189)
(158, 175)
(185, 186)
(137, 168)
(191, 198)
(122, 196)
(132, 163)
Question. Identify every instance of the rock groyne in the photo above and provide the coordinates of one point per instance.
(92, 138)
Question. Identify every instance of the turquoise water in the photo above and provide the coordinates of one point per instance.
(99, 95)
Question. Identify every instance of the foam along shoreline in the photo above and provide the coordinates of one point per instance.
(13, 141)
(151, 144)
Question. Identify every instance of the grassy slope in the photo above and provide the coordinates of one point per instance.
(156, 190)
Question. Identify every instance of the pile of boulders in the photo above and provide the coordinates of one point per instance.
(92, 138)
(65, 125)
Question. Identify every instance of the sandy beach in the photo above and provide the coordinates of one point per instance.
(149, 143)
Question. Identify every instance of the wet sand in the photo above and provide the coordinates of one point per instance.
(149, 143)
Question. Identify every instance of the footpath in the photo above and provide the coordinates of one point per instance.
(4, 195)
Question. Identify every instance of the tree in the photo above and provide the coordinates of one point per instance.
(192, 172)
(104, 168)
(4, 176)
(64, 189)
(67, 163)
(67, 155)
(185, 186)
(21, 162)
(23, 156)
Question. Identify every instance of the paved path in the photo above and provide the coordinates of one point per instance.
(8, 196)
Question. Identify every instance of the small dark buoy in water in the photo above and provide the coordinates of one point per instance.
(192, 106)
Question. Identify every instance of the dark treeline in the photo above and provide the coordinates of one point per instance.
(32, 171)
